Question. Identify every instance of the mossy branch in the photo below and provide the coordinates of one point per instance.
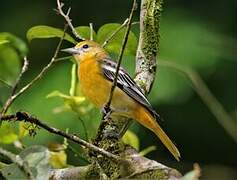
(148, 47)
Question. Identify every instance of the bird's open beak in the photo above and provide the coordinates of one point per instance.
(71, 50)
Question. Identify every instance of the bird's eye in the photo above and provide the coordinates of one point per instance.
(85, 46)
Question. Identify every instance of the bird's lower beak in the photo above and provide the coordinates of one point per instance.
(71, 50)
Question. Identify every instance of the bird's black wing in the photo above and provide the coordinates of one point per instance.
(127, 84)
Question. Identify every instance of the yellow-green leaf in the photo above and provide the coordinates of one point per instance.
(22, 130)
(131, 139)
(67, 98)
(7, 134)
(58, 159)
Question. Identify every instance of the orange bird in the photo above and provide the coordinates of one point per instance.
(96, 73)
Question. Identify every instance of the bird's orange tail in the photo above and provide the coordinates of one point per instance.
(147, 120)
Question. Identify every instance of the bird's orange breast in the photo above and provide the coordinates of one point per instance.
(97, 88)
(93, 84)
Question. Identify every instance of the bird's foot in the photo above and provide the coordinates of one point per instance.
(106, 111)
(111, 132)
(111, 135)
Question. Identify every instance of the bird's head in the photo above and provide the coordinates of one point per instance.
(86, 49)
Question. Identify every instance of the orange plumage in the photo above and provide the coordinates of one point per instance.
(96, 73)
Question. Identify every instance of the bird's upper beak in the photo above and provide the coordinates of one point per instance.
(71, 50)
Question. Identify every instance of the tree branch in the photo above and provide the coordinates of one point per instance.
(127, 163)
(145, 74)
(67, 19)
(70, 173)
(23, 116)
(148, 43)
(14, 87)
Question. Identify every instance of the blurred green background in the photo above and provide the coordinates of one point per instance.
(196, 34)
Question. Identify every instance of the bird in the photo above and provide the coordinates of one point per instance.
(96, 72)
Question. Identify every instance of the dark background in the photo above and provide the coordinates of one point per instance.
(198, 34)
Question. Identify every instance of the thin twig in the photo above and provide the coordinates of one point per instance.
(39, 76)
(19, 162)
(14, 87)
(222, 116)
(108, 39)
(125, 39)
(115, 32)
(62, 58)
(91, 32)
(23, 116)
(67, 19)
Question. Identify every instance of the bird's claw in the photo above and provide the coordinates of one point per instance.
(106, 111)
(111, 135)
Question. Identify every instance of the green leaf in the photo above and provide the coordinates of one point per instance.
(12, 172)
(15, 43)
(10, 64)
(12, 51)
(37, 158)
(7, 134)
(131, 139)
(3, 42)
(70, 102)
(71, 99)
(84, 31)
(115, 44)
(43, 31)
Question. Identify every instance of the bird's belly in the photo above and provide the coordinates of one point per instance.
(97, 90)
